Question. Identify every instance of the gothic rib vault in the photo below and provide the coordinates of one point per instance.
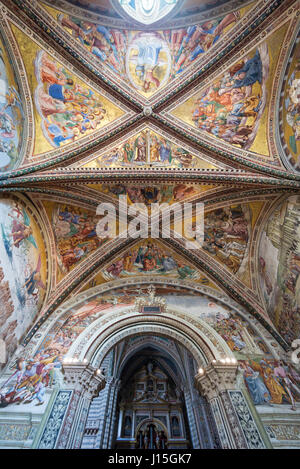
(211, 115)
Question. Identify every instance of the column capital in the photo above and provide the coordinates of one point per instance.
(83, 378)
(215, 378)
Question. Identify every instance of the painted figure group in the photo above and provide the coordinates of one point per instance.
(271, 382)
(152, 194)
(231, 106)
(76, 235)
(68, 109)
(28, 383)
(11, 117)
(149, 258)
(136, 151)
(226, 236)
(292, 106)
(152, 56)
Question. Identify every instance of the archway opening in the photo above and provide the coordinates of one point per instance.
(150, 400)
(151, 403)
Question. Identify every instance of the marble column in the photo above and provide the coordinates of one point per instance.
(66, 422)
(120, 423)
(191, 419)
(235, 423)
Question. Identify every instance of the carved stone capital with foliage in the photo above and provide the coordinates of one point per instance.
(84, 379)
(216, 378)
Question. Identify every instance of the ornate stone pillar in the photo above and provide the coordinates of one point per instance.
(235, 423)
(107, 414)
(120, 423)
(113, 415)
(133, 424)
(191, 418)
(66, 422)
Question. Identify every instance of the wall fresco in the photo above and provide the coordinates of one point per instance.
(279, 268)
(272, 383)
(226, 235)
(290, 105)
(235, 330)
(12, 118)
(22, 271)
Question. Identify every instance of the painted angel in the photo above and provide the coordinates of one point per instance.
(21, 230)
(34, 280)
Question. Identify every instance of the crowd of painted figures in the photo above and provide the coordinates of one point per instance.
(279, 268)
(76, 236)
(20, 252)
(271, 382)
(152, 194)
(155, 56)
(292, 107)
(231, 106)
(149, 258)
(135, 152)
(238, 335)
(226, 235)
(68, 109)
(11, 116)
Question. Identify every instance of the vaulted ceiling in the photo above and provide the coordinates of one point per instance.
(192, 110)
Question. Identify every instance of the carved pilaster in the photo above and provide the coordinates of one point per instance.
(83, 382)
(236, 424)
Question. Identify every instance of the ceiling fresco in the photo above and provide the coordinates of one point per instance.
(289, 125)
(152, 194)
(134, 8)
(103, 7)
(148, 61)
(65, 108)
(150, 149)
(150, 257)
(234, 107)
(75, 234)
(226, 235)
(178, 113)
